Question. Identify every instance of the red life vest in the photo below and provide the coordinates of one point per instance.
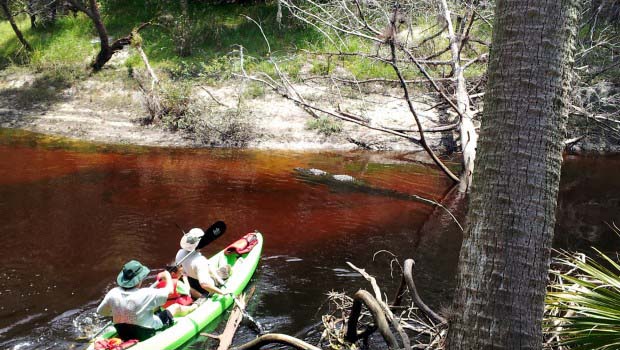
(114, 344)
(174, 297)
(243, 245)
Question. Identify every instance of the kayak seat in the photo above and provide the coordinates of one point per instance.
(128, 331)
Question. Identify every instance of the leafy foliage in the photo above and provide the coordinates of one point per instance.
(325, 125)
(583, 303)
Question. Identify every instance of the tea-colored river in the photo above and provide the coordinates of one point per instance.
(71, 214)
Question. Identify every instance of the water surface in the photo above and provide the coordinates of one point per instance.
(71, 214)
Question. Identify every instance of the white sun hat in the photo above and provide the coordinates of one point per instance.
(191, 239)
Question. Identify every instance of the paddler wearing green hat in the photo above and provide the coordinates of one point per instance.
(136, 311)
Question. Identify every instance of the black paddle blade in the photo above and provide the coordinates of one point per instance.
(212, 233)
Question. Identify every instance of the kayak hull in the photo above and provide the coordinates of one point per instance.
(186, 327)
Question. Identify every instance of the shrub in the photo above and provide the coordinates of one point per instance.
(169, 102)
(325, 125)
(228, 128)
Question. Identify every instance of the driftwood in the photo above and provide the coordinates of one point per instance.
(234, 320)
(236, 316)
(277, 339)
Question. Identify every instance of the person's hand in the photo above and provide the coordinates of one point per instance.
(160, 276)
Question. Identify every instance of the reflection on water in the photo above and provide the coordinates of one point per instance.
(71, 214)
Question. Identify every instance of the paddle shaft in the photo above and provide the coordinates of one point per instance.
(101, 331)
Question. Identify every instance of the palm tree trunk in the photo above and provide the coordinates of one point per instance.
(7, 12)
(504, 258)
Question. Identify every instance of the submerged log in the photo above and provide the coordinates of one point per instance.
(236, 316)
(234, 320)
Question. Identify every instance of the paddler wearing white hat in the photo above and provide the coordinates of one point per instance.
(196, 267)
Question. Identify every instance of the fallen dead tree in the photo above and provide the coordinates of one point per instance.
(353, 320)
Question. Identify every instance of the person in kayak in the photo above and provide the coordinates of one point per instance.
(179, 301)
(196, 267)
(136, 311)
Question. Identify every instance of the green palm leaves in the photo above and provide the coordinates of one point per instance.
(583, 303)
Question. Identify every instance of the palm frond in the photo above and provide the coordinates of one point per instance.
(583, 303)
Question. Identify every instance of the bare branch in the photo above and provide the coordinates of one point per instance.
(275, 338)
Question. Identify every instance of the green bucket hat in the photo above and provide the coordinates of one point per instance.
(132, 273)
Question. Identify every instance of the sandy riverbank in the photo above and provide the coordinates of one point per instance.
(102, 109)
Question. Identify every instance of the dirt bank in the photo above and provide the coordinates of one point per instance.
(109, 107)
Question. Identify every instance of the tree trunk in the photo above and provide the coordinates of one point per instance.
(184, 35)
(32, 12)
(9, 16)
(105, 52)
(279, 13)
(504, 258)
(468, 134)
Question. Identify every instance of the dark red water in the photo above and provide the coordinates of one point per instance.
(71, 214)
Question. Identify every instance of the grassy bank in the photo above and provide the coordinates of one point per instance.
(215, 30)
(215, 33)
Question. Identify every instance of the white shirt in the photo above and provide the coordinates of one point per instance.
(134, 306)
(196, 266)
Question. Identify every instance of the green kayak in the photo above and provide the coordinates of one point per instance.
(188, 326)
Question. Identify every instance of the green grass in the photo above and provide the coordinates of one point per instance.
(216, 33)
(65, 43)
(325, 125)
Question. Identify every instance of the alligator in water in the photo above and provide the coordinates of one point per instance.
(347, 183)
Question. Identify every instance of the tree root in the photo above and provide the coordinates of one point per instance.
(362, 296)
(408, 278)
(278, 339)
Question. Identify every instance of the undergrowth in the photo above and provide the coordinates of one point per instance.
(325, 125)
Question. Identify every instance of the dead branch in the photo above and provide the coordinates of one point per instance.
(437, 54)
(432, 36)
(469, 137)
(481, 58)
(136, 42)
(214, 98)
(430, 152)
(465, 35)
(364, 297)
(408, 277)
(276, 338)
(572, 141)
(443, 128)
(388, 313)
(277, 88)
(373, 80)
